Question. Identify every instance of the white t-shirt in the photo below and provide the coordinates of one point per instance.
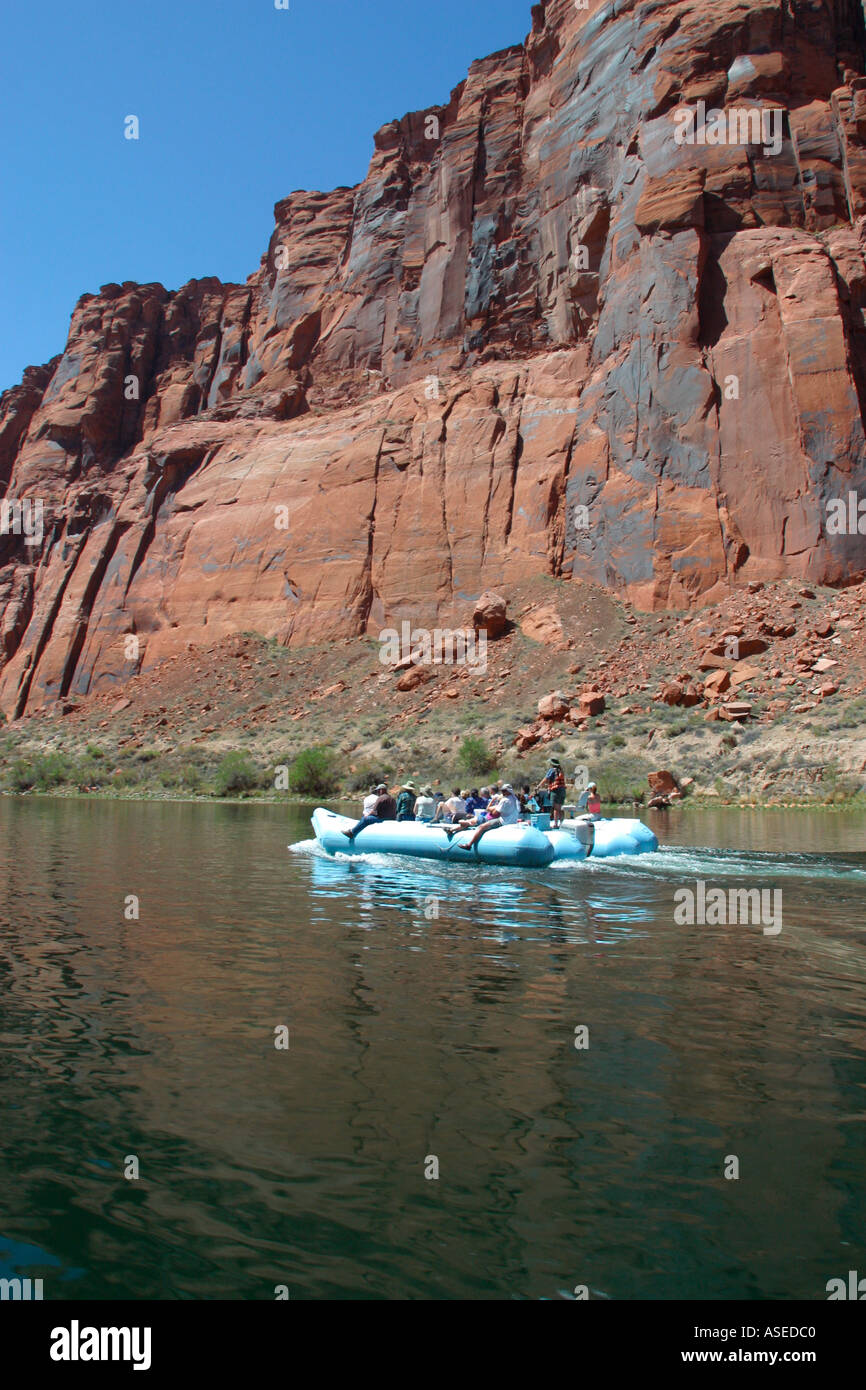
(370, 802)
(456, 805)
(509, 810)
(424, 807)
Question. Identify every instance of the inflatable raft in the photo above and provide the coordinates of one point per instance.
(521, 845)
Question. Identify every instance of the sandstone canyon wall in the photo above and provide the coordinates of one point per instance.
(540, 337)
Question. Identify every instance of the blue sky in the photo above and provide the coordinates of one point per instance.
(239, 103)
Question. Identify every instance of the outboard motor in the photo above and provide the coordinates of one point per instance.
(585, 832)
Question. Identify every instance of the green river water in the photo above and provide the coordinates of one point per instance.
(432, 1016)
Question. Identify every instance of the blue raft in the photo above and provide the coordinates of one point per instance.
(521, 845)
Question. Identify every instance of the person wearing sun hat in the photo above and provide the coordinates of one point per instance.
(406, 800)
(425, 806)
(553, 782)
(385, 808)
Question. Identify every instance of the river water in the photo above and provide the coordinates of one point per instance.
(433, 1016)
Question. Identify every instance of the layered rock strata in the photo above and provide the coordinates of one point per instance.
(556, 330)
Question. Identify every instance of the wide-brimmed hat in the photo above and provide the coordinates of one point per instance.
(427, 791)
(554, 761)
(408, 786)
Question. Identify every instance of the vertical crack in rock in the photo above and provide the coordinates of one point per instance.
(76, 643)
(560, 527)
(368, 596)
(515, 467)
(43, 637)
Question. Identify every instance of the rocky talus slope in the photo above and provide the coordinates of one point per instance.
(542, 338)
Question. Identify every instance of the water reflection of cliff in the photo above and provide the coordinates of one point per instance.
(411, 1036)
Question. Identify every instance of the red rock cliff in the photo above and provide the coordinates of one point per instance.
(541, 336)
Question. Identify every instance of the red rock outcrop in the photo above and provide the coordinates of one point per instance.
(490, 614)
(555, 706)
(592, 702)
(541, 337)
(663, 782)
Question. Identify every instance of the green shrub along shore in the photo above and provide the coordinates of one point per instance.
(192, 772)
(250, 720)
(324, 774)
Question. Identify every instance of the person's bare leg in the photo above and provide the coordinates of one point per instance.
(482, 830)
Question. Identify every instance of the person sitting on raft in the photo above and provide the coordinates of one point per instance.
(486, 803)
(452, 809)
(474, 818)
(370, 801)
(589, 803)
(384, 808)
(425, 806)
(406, 802)
(505, 811)
(476, 806)
(528, 803)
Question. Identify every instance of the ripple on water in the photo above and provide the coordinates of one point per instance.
(431, 1012)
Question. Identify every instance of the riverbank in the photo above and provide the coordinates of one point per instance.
(247, 719)
(732, 769)
(350, 806)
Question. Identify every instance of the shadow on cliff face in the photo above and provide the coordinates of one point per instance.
(852, 299)
(711, 299)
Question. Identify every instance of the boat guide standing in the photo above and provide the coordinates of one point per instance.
(553, 784)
